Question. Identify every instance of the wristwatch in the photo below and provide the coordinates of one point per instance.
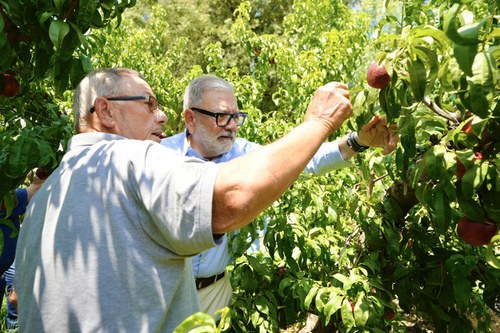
(353, 143)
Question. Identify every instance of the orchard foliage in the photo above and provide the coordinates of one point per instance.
(366, 249)
(378, 247)
(46, 47)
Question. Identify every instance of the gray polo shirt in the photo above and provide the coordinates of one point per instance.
(104, 242)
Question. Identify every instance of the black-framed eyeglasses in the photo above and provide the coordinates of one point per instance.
(223, 119)
(151, 100)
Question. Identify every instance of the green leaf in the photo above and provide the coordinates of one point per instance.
(430, 57)
(490, 255)
(61, 78)
(21, 152)
(333, 305)
(418, 79)
(361, 311)
(346, 314)
(197, 323)
(310, 296)
(407, 133)
(9, 202)
(489, 200)
(460, 268)
(467, 204)
(482, 84)
(451, 29)
(470, 32)
(435, 162)
(442, 210)
(465, 55)
(474, 178)
(438, 35)
(393, 237)
(59, 4)
(57, 31)
(86, 11)
(81, 37)
(44, 17)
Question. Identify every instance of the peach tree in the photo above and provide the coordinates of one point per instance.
(368, 248)
(376, 248)
(45, 49)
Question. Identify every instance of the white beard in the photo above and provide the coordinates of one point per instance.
(213, 145)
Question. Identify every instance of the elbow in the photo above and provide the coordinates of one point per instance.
(233, 208)
(230, 215)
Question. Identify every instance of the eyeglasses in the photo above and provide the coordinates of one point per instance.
(151, 100)
(223, 119)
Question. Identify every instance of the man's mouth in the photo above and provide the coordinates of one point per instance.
(159, 134)
(227, 136)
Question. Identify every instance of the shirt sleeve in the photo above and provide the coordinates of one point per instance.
(178, 194)
(326, 159)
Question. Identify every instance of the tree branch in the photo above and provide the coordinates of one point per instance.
(346, 244)
(440, 112)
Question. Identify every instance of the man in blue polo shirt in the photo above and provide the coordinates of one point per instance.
(212, 119)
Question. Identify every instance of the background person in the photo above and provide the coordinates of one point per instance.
(212, 121)
(10, 231)
(106, 240)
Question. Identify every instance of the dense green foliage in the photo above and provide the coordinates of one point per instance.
(356, 245)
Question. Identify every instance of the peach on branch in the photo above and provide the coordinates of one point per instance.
(475, 233)
(377, 76)
(10, 86)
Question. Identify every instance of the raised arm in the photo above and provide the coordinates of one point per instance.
(249, 184)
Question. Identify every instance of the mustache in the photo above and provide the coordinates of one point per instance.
(231, 134)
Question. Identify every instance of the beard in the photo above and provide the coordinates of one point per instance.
(215, 144)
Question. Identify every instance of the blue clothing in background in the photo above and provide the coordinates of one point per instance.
(8, 254)
(9, 242)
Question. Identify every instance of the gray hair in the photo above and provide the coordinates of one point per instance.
(101, 82)
(197, 87)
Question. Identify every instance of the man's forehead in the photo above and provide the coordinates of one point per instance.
(219, 96)
(134, 84)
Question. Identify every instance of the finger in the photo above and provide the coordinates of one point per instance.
(366, 127)
(391, 145)
(343, 92)
(336, 85)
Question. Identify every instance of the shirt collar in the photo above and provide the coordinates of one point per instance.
(90, 138)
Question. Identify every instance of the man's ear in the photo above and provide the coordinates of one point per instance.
(189, 118)
(103, 112)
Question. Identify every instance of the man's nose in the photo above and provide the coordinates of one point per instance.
(161, 117)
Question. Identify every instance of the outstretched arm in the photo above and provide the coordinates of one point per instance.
(247, 185)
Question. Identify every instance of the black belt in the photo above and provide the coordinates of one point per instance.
(205, 282)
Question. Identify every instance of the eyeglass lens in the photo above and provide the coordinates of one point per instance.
(152, 104)
(223, 120)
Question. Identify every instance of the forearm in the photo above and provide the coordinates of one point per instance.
(32, 190)
(249, 184)
(345, 150)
